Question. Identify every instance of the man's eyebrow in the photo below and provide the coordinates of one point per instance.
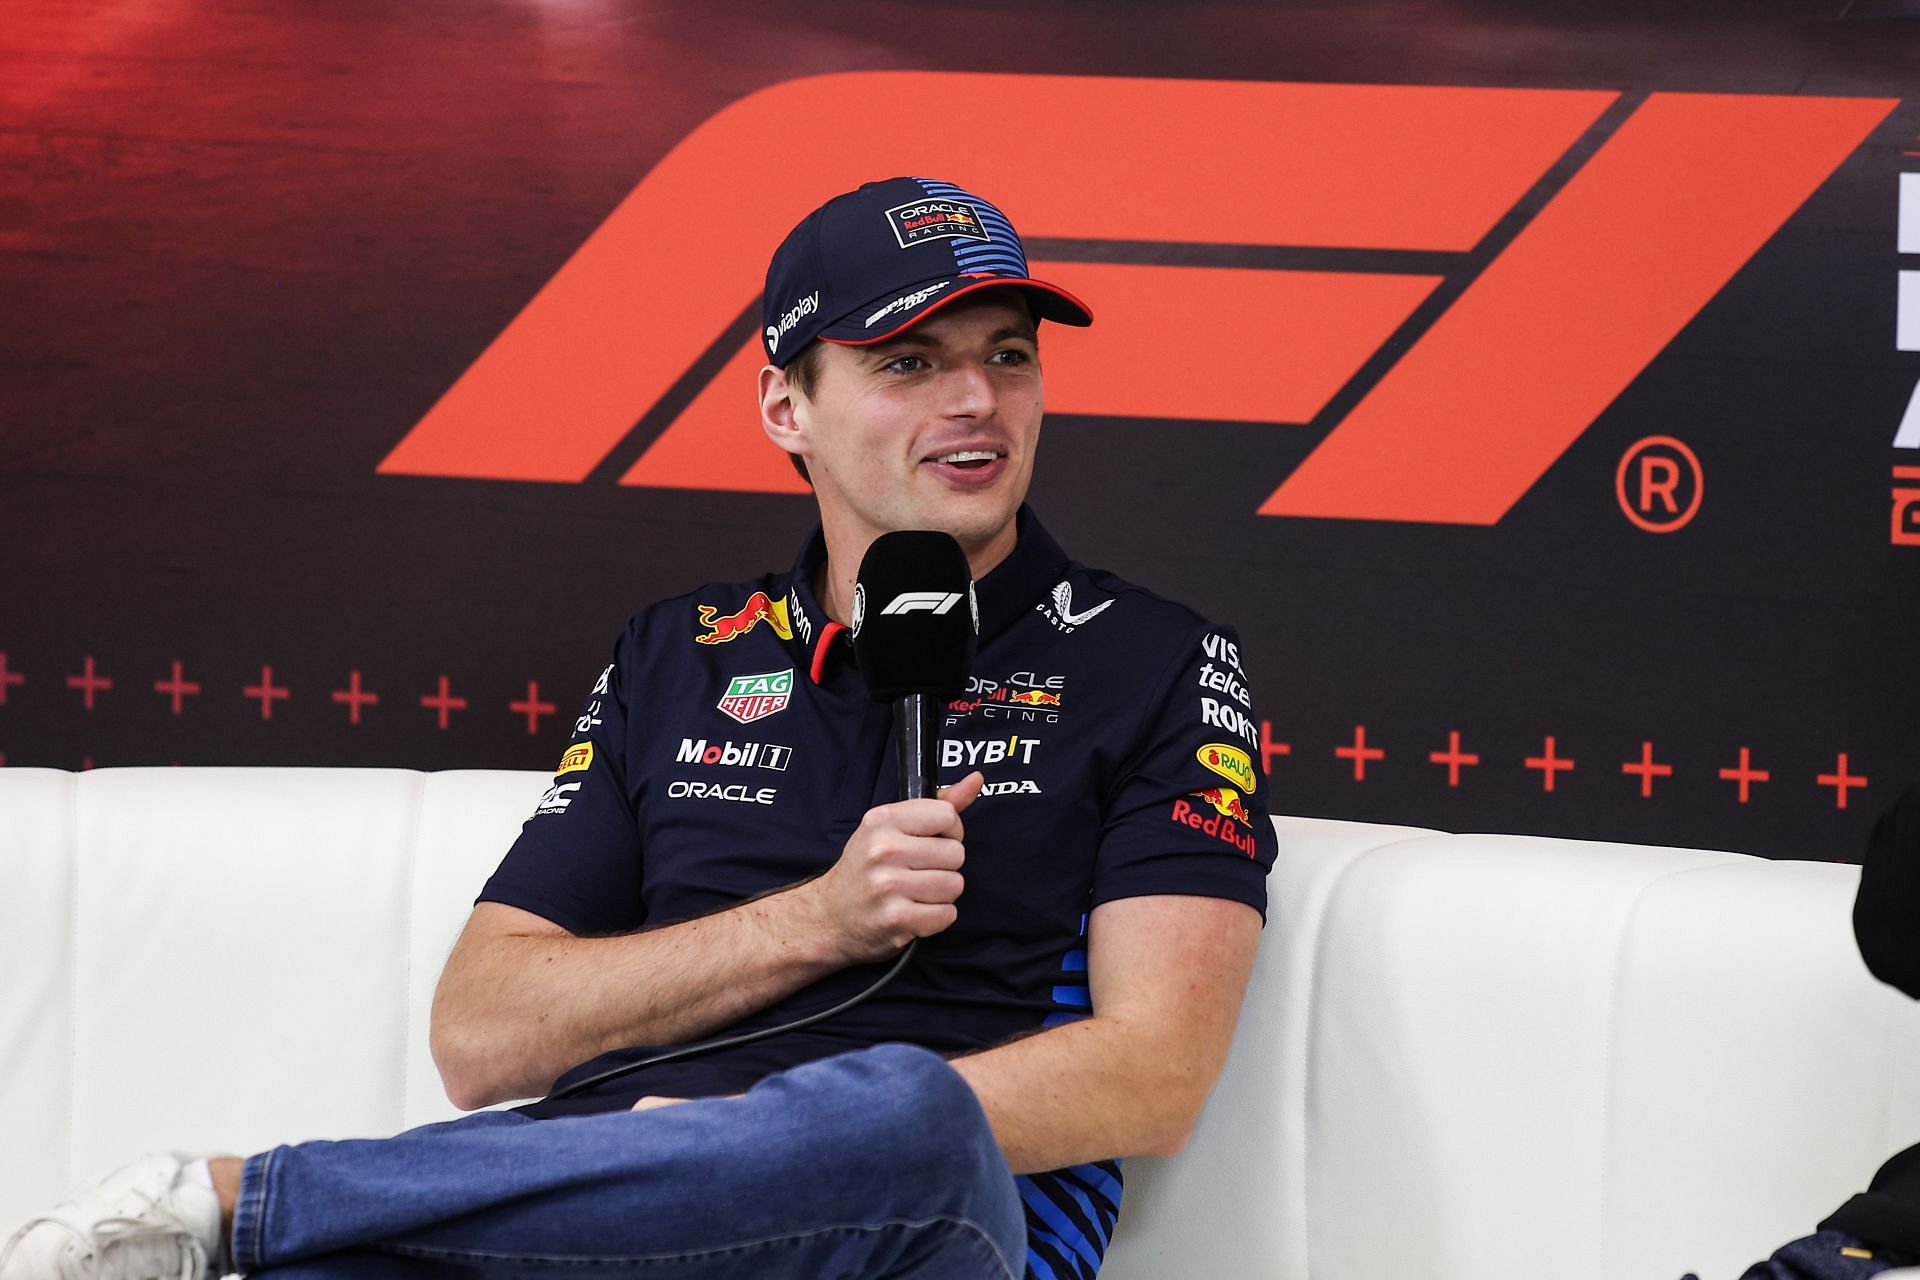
(911, 338)
(914, 338)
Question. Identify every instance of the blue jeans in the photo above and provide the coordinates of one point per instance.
(876, 1163)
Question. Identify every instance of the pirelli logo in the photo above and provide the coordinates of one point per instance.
(1508, 356)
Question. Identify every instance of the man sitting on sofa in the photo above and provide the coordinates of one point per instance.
(721, 850)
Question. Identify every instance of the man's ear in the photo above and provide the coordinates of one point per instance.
(781, 411)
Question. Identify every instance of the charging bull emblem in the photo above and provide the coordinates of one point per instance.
(731, 626)
(1225, 802)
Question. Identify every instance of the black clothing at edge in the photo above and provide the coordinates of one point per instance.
(1887, 1213)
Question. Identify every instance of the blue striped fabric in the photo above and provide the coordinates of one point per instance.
(1001, 254)
(1070, 1218)
(1070, 1212)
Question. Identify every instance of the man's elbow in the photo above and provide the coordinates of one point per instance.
(1171, 1142)
(468, 1093)
(459, 1071)
(1174, 1131)
(469, 1069)
(1181, 1098)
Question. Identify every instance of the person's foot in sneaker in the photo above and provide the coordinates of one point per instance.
(143, 1221)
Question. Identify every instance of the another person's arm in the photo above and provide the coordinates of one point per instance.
(1884, 910)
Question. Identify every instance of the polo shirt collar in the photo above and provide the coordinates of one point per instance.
(1023, 579)
(1006, 594)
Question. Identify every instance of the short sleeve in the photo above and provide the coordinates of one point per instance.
(1188, 813)
(577, 859)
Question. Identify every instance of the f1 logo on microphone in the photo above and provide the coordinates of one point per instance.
(1528, 347)
(922, 602)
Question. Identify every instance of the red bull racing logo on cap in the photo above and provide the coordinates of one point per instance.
(934, 220)
(722, 627)
(1223, 816)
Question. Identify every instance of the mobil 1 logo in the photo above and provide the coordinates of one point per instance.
(737, 755)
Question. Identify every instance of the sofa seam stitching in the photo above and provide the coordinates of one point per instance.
(1608, 1075)
(421, 781)
(73, 976)
(1307, 1038)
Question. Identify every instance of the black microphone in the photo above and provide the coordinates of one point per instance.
(914, 624)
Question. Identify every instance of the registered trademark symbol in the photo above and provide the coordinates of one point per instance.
(1659, 484)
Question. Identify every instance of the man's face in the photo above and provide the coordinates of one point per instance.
(934, 429)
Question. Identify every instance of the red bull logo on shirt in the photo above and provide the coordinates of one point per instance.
(1227, 820)
(722, 627)
(1034, 698)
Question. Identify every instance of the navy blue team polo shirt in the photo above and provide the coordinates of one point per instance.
(730, 748)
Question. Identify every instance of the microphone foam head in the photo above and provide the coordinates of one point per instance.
(914, 616)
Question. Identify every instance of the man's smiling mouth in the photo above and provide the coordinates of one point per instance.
(968, 458)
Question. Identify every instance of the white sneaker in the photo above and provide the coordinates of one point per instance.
(139, 1222)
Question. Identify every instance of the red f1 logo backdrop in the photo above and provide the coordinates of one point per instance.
(1532, 350)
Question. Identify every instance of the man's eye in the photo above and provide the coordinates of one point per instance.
(905, 364)
(1012, 356)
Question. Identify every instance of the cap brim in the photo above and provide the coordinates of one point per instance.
(1050, 302)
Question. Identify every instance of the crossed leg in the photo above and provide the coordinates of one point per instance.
(876, 1163)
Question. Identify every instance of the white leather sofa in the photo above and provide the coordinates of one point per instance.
(1471, 1057)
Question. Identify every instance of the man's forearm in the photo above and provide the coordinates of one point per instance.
(515, 1010)
(1084, 1091)
(1166, 975)
(521, 999)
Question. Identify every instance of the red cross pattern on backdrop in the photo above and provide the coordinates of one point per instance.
(531, 708)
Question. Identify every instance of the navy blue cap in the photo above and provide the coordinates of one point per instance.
(867, 264)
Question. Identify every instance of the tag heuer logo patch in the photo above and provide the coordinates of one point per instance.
(751, 698)
(934, 220)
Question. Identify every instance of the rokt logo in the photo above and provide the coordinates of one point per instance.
(1530, 350)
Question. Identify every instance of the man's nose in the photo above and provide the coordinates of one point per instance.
(969, 392)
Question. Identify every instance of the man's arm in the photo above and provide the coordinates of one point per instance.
(1166, 976)
(521, 999)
